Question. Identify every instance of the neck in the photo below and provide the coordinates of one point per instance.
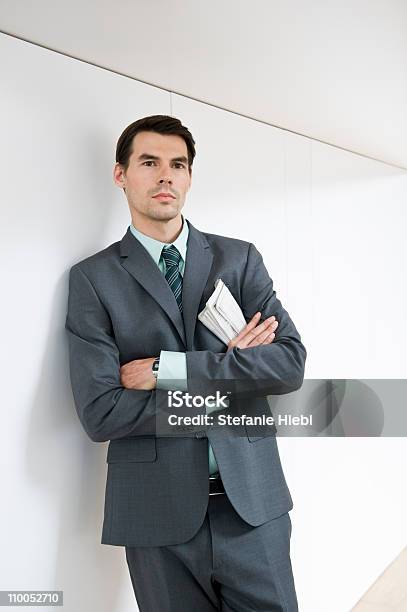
(164, 231)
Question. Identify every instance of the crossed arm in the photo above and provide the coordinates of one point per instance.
(137, 374)
(116, 402)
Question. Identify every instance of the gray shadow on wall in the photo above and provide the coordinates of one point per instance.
(70, 470)
(343, 408)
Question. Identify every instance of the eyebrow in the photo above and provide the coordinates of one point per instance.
(145, 156)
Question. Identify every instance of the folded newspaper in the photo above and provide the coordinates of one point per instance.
(222, 314)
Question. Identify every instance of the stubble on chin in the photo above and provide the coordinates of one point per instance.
(163, 214)
(156, 211)
(160, 212)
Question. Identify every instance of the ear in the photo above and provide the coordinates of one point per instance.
(119, 175)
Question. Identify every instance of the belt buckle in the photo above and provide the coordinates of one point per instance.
(214, 478)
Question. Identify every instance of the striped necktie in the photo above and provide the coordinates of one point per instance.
(172, 257)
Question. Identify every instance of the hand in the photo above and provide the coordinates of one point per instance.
(254, 334)
(137, 374)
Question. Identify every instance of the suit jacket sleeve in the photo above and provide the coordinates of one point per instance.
(276, 368)
(106, 409)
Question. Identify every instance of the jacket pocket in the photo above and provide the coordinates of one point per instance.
(136, 449)
(264, 426)
(259, 432)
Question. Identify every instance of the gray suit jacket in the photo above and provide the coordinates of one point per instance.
(120, 308)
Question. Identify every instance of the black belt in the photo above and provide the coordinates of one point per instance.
(216, 485)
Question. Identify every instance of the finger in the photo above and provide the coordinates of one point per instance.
(262, 327)
(270, 338)
(252, 323)
(248, 333)
(246, 336)
(260, 338)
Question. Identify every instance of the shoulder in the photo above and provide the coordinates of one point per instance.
(239, 251)
(99, 260)
(234, 245)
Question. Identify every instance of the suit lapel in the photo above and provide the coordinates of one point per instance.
(197, 267)
(142, 267)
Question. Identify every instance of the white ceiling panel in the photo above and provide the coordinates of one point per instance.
(333, 70)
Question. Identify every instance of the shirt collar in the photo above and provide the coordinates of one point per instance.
(154, 247)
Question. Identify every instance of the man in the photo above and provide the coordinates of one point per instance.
(203, 515)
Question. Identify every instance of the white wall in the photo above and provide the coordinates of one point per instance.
(331, 70)
(329, 225)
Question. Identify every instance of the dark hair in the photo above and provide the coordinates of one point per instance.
(162, 124)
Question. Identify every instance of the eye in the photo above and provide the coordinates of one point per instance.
(149, 161)
(179, 165)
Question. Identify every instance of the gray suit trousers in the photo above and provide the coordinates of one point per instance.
(227, 565)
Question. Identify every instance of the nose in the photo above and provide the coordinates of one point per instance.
(165, 180)
(165, 175)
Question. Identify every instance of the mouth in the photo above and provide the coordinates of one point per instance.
(164, 196)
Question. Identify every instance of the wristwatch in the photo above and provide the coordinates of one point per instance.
(155, 366)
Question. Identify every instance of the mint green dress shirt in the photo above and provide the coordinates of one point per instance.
(173, 364)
